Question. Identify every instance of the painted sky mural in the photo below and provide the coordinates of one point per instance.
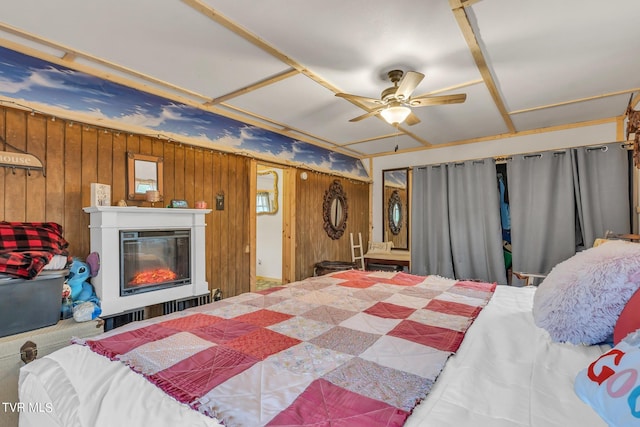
(30, 79)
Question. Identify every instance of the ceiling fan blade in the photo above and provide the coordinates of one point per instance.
(364, 116)
(373, 102)
(408, 84)
(412, 119)
(425, 100)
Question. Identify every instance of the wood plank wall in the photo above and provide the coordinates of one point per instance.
(75, 155)
(312, 243)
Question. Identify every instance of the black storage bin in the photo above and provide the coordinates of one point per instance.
(326, 267)
(384, 267)
(26, 305)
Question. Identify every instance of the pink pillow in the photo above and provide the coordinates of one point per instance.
(629, 320)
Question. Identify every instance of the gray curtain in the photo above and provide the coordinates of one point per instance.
(601, 175)
(455, 229)
(474, 215)
(430, 243)
(542, 207)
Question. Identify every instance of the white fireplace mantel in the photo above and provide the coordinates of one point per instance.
(105, 225)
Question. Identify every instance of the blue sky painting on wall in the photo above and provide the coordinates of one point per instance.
(31, 79)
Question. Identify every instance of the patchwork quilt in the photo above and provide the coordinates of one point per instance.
(27, 247)
(350, 348)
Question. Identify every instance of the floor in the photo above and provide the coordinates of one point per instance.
(262, 284)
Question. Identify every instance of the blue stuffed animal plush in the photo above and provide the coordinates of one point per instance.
(86, 305)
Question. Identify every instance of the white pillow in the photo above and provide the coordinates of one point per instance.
(581, 298)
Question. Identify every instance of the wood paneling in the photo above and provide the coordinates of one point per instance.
(15, 188)
(312, 242)
(76, 155)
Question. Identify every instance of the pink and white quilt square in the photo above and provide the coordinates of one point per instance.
(157, 355)
(324, 404)
(392, 386)
(408, 356)
(255, 396)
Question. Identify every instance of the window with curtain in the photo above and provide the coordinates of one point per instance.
(263, 203)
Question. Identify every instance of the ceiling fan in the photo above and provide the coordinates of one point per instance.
(396, 101)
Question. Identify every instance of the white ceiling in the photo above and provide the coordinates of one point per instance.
(524, 65)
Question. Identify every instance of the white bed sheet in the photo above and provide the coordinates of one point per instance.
(507, 373)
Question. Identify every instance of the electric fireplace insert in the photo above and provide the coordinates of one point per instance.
(154, 259)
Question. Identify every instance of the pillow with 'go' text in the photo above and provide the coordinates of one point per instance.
(611, 384)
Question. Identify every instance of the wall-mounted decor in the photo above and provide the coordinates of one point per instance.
(267, 193)
(395, 211)
(335, 210)
(220, 201)
(144, 173)
(19, 160)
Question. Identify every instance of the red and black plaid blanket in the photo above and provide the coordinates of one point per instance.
(26, 247)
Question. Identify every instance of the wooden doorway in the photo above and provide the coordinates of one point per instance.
(271, 221)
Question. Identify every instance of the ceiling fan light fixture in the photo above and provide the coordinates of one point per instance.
(395, 114)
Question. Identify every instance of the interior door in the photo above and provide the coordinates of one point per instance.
(270, 213)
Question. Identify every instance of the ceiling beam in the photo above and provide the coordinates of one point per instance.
(528, 132)
(214, 15)
(422, 141)
(375, 138)
(295, 133)
(457, 6)
(574, 101)
(503, 136)
(70, 55)
(238, 30)
(250, 88)
(450, 88)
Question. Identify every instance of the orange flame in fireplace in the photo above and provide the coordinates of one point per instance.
(156, 275)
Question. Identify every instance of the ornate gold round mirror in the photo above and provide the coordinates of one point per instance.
(335, 210)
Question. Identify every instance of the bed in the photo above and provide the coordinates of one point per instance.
(489, 365)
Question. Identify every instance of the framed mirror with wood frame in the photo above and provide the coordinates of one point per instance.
(335, 210)
(144, 173)
(395, 209)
